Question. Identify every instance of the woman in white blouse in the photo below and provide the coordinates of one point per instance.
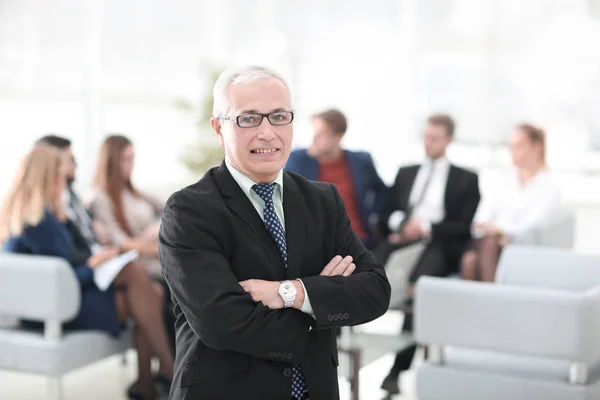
(533, 198)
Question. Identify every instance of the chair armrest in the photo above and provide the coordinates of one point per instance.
(545, 267)
(527, 321)
(38, 288)
(557, 230)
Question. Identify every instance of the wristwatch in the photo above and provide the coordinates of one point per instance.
(287, 291)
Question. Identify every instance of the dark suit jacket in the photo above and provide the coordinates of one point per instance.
(81, 250)
(228, 346)
(369, 189)
(460, 203)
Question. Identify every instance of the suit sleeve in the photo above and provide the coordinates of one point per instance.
(356, 299)
(380, 189)
(215, 306)
(461, 227)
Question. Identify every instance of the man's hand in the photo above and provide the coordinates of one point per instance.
(339, 266)
(264, 291)
(412, 230)
(395, 238)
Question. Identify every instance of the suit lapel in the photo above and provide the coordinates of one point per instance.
(409, 184)
(295, 212)
(239, 203)
(451, 185)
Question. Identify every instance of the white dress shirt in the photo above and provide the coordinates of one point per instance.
(516, 208)
(246, 184)
(431, 210)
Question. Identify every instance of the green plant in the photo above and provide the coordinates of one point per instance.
(205, 153)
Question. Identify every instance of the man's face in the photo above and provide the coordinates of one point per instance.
(436, 139)
(325, 140)
(70, 166)
(259, 152)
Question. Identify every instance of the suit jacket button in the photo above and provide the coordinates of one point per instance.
(329, 317)
(272, 354)
(290, 356)
(287, 372)
(346, 315)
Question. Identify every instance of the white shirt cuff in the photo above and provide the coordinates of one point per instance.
(306, 307)
(395, 220)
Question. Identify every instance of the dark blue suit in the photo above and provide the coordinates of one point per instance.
(51, 238)
(369, 190)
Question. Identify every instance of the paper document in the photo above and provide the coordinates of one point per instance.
(106, 272)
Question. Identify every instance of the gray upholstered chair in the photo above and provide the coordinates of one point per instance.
(534, 334)
(46, 289)
(558, 231)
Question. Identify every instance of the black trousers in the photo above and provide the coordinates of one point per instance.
(405, 356)
(438, 259)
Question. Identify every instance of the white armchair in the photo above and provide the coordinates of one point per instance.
(46, 289)
(535, 334)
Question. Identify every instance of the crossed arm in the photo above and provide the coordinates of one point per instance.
(267, 292)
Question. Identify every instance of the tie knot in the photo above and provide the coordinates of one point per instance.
(265, 191)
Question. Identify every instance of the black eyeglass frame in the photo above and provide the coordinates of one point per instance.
(236, 119)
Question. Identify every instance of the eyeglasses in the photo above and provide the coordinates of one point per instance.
(255, 119)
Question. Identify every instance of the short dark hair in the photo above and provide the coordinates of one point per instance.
(444, 120)
(55, 141)
(334, 119)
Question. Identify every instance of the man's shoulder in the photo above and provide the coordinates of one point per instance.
(408, 168)
(361, 156)
(198, 195)
(465, 172)
(298, 154)
(308, 187)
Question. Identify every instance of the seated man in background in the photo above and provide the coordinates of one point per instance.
(353, 173)
(533, 198)
(434, 201)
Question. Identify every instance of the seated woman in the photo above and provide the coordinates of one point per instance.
(32, 221)
(533, 198)
(132, 218)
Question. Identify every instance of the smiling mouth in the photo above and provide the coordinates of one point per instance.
(264, 151)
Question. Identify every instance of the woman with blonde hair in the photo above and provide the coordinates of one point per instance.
(533, 198)
(32, 221)
(132, 217)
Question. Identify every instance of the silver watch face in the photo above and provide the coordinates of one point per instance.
(287, 290)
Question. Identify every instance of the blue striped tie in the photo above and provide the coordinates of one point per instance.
(275, 229)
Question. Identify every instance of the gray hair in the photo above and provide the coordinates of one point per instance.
(234, 76)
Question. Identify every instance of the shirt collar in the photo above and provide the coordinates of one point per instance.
(246, 183)
(437, 163)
